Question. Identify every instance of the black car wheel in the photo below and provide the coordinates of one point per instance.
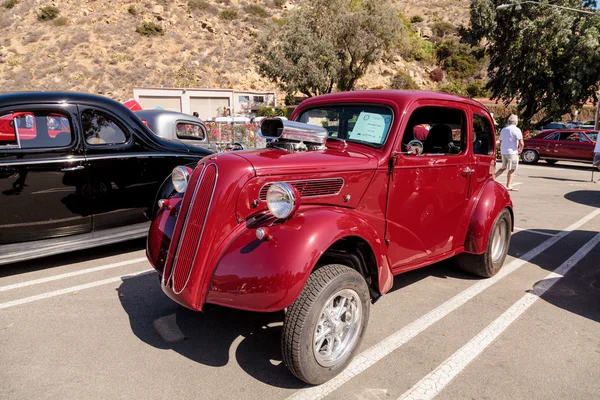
(324, 327)
(530, 156)
(489, 263)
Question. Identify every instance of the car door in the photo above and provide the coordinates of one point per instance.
(585, 148)
(548, 144)
(42, 171)
(119, 195)
(569, 146)
(428, 193)
(484, 150)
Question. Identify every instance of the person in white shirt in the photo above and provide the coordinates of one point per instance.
(511, 145)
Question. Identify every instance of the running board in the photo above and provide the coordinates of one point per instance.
(11, 253)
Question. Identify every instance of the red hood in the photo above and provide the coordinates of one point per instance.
(278, 162)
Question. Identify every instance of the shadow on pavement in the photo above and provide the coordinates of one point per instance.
(578, 291)
(207, 337)
(560, 179)
(218, 334)
(73, 257)
(575, 166)
(586, 197)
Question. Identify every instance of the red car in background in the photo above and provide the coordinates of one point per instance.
(560, 145)
(26, 126)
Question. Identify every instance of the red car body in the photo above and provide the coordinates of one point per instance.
(381, 208)
(399, 239)
(560, 145)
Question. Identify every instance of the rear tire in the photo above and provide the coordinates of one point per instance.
(324, 327)
(530, 156)
(489, 263)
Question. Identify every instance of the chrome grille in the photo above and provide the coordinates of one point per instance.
(310, 187)
(193, 229)
(181, 222)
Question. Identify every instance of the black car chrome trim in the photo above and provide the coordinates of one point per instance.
(138, 155)
(92, 157)
(46, 161)
(28, 250)
(203, 226)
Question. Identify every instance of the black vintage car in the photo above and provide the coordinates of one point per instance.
(77, 171)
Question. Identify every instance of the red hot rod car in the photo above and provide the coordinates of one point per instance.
(342, 199)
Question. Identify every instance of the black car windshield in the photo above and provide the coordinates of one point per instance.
(355, 123)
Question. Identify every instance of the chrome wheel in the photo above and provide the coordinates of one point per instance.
(529, 156)
(337, 327)
(499, 240)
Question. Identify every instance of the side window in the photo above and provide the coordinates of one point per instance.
(569, 137)
(187, 130)
(35, 130)
(441, 129)
(100, 129)
(553, 136)
(483, 136)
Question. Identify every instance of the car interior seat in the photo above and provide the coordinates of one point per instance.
(438, 140)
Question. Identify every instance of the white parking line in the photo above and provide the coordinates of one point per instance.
(377, 352)
(70, 289)
(438, 379)
(70, 274)
(534, 231)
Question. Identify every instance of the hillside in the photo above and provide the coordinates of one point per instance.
(92, 46)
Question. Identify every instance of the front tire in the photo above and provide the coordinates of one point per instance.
(324, 327)
(489, 263)
(530, 156)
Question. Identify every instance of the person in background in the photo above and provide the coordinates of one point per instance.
(511, 145)
(195, 114)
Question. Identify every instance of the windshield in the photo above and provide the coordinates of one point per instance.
(355, 123)
(593, 136)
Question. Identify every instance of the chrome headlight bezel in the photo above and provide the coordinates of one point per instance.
(282, 200)
(180, 177)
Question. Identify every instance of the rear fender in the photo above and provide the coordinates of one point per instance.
(269, 274)
(494, 198)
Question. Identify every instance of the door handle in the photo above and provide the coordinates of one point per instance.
(467, 171)
(77, 168)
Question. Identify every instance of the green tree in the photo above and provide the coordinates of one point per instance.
(403, 81)
(326, 44)
(545, 58)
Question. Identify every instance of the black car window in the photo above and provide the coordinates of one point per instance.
(483, 135)
(445, 131)
(100, 129)
(188, 130)
(35, 130)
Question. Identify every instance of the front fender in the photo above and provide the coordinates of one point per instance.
(269, 274)
(494, 198)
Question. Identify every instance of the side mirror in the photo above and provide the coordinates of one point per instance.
(414, 147)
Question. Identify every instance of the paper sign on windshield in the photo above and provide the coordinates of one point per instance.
(369, 127)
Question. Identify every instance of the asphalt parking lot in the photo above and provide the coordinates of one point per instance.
(95, 324)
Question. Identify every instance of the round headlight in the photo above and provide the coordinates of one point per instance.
(180, 178)
(282, 200)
